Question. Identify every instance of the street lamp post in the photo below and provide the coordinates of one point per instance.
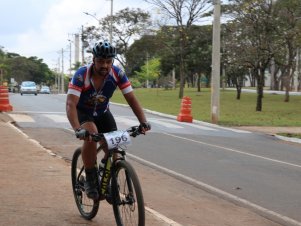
(111, 20)
(62, 77)
(89, 14)
(70, 55)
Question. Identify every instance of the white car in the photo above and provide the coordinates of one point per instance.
(28, 87)
(45, 89)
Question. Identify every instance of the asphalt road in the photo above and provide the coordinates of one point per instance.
(253, 169)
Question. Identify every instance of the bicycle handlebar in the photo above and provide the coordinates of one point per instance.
(133, 132)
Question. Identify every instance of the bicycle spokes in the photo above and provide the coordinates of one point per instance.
(87, 207)
(128, 200)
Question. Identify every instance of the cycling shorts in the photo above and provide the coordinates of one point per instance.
(105, 122)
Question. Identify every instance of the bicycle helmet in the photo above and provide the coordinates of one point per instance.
(104, 50)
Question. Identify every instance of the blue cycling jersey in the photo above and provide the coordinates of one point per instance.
(92, 102)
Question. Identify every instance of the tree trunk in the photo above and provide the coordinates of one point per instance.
(181, 92)
(272, 69)
(239, 85)
(238, 92)
(287, 96)
(182, 77)
(260, 84)
(286, 80)
(276, 84)
(253, 77)
(199, 82)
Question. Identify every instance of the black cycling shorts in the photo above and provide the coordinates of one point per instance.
(104, 122)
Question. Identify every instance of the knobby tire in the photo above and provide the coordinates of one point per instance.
(88, 208)
(127, 197)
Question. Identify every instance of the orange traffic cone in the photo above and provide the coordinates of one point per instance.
(4, 102)
(185, 112)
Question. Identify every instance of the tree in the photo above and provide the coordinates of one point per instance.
(199, 54)
(147, 47)
(236, 76)
(150, 71)
(249, 38)
(184, 13)
(287, 14)
(21, 68)
(127, 25)
(264, 34)
(161, 45)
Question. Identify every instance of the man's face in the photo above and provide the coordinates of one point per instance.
(103, 65)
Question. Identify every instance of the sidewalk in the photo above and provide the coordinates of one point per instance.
(36, 189)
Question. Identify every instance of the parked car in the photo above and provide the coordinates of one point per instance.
(45, 89)
(28, 87)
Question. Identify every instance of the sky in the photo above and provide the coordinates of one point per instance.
(42, 28)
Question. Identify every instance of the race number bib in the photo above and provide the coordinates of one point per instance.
(117, 138)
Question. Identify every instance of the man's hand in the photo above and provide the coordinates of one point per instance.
(143, 127)
(81, 134)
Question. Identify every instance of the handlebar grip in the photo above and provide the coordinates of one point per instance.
(97, 136)
(82, 133)
(135, 131)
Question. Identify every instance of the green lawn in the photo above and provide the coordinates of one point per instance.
(275, 112)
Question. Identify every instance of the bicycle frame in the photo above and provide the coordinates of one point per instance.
(108, 170)
(105, 176)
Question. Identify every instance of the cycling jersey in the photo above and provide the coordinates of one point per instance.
(92, 102)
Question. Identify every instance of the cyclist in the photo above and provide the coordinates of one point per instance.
(87, 105)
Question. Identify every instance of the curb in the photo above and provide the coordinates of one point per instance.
(290, 139)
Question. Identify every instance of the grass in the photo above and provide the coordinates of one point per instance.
(275, 112)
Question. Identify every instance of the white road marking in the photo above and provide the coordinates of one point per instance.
(198, 126)
(57, 118)
(286, 220)
(127, 121)
(234, 150)
(181, 124)
(162, 217)
(220, 127)
(41, 112)
(60, 117)
(21, 118)
(201, 127)
(166, 124)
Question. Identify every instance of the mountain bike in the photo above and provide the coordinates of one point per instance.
(118, 182)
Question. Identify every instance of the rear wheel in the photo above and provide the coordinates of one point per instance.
(88, 208)
(128, 203)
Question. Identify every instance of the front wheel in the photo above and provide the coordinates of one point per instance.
(88, 208)
(127, 197)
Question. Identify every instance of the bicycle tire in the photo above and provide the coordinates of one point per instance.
(127, 197)
(88, 208)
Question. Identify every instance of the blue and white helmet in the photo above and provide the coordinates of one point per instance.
(104, 50)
